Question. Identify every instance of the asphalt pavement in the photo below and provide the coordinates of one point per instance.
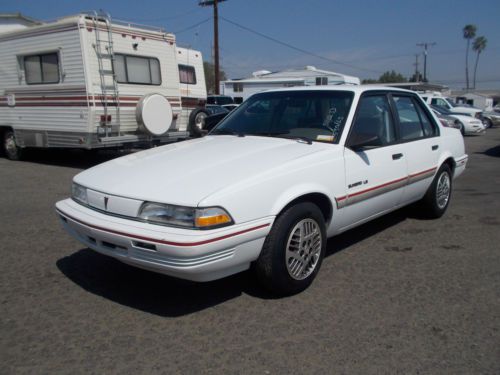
(399, 295)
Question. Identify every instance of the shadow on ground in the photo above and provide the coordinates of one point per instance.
(494, 151)
(165, 296)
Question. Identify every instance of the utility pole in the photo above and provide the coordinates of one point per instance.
(417, 74)
(214, 3)
(425, 45)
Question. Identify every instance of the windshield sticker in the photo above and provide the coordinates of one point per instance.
(325, 138)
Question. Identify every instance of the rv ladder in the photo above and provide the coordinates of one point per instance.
(110, 96)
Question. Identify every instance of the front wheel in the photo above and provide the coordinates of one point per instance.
(293, 251)
(10, 147)
(437, 198)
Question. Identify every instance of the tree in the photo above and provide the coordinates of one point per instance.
(416, 77)
(391, 77)
(387, 77)
(210, 77)
(478, 46)
(469, 32)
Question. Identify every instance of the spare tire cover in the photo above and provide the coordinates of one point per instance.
(154, 114)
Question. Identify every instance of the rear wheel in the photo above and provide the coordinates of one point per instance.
(487, 123)
(437, 198)
(293, 251)
(10, 147)
(196, 122)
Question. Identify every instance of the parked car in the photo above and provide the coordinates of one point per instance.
(267, 187)
(437, 100)
(222, 100)
(467, 124)
(447, 121)
(491, 118)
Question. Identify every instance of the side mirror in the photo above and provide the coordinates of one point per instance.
(361, 141)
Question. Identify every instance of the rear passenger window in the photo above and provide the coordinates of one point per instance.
(428, 126)
(414, 123)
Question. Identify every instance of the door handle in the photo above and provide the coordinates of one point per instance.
(396, 156)
(435, 147)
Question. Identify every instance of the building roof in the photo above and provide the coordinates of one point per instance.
(417, 86)
(20, 17)
(293, 75)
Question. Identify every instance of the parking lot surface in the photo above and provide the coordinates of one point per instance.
(397, 295)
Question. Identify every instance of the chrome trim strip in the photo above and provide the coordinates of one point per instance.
(362, 195)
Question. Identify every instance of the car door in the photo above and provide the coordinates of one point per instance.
(420, 136)
(375, 164)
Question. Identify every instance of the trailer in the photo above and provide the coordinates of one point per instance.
(88, 82)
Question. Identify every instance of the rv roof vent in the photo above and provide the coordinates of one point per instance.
(259, 73)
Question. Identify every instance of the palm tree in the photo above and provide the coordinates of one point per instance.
(479, 45)
(469, 33)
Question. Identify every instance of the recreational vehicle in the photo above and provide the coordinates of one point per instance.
(86, 82)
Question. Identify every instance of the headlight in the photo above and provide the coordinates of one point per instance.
(79, 193)
(186, 217)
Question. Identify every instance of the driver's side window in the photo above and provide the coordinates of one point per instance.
(373, 124)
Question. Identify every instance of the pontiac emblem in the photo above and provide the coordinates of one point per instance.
(106, 203)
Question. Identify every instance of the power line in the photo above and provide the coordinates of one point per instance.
(297, 48)
(195, 10)
(193, 26)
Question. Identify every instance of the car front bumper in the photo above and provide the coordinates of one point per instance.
(198, 255)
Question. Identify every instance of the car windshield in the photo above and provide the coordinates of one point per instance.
(314, 115)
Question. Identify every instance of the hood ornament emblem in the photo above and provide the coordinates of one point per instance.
(106, 199)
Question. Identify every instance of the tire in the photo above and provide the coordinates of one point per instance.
(437, 198)
(488, 124)
(196, 122)
(10, 147)
(462, 129)
(280, 267)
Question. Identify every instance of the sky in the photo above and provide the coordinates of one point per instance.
(363, 38)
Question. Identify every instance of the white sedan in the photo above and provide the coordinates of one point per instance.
(468, 125)
(283, 172)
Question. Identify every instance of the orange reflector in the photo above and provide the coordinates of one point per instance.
(208, 221)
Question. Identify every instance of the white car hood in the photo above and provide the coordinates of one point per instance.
(187, 172)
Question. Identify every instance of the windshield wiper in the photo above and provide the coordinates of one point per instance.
(298, 139)
(284, 135)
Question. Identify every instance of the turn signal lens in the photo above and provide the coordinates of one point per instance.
(212, 217)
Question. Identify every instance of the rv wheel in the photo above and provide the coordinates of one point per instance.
(11, 149)
(196, 122)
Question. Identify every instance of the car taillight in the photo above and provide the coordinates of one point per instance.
(444, 122)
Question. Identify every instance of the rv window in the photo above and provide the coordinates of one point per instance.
(321, 81)
(238, 87)
(41, 68)
(187, 74)
(137, 70)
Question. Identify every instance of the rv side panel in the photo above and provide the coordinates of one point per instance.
(35, 108)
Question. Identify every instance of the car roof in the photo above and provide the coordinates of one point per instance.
(358, 89)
